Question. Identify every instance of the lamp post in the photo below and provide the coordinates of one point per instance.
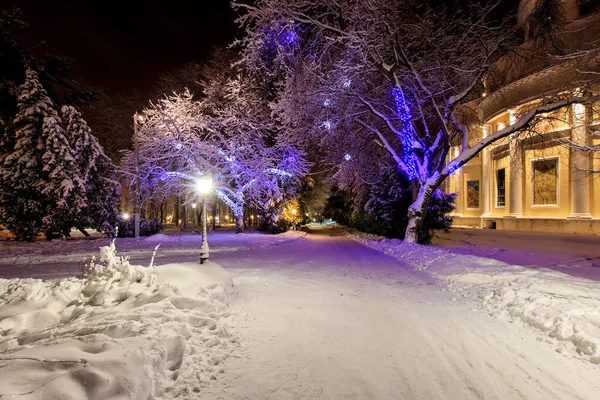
(193, 217)
(294, 211)
(136, 199)
(203, 186)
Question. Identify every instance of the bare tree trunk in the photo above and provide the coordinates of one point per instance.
(176, 212)
(239, 223)
(183, 218)
(418, 209)
(214, 215)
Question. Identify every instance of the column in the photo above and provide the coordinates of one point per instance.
(485, 176)
(580, 165)
(458, 175)
(515, 205)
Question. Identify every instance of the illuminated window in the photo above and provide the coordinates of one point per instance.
(500, 187)
(473, 194)
(545, 181)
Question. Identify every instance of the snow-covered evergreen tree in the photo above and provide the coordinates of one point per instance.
(97, 172)
(63, 185)
(46, 179)
(23, 204)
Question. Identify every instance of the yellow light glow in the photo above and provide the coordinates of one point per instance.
(204, 184)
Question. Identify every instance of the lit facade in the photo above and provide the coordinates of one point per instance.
(534, 181)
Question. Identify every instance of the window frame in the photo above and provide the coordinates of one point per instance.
(497, 205)
(532, 190)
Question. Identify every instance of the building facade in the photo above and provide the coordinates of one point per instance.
(539, 180)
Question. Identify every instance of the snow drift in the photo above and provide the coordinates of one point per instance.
(121, 331)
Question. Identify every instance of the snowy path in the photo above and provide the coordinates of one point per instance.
(327, 318)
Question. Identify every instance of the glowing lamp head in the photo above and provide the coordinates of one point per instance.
(294, 211)
(125, 216)
(203, 185)
(193, 205)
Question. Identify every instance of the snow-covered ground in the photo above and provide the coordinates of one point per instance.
(56, 258)
(577, 255)
(564, 309)
(121, 332)
(319, 317)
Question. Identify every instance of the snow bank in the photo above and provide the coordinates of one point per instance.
(562, 308)
(122, 331)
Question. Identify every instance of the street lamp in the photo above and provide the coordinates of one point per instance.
(203, 186)
(137, 118)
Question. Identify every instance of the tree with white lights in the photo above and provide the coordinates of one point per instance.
(182, 139)
(399, 74)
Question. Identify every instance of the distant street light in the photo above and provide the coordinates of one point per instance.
(203, 186)
(125, 216)
(136, 198)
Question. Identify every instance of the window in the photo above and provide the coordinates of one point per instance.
(500, 187)
(545, 181)
(472, 194)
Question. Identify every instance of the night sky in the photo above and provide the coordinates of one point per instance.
(126, 45)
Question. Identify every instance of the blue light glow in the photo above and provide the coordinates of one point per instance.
(347, 83)
(327, 103)
(327, 125)
(408, 135)
(289, 37)
(347, 157)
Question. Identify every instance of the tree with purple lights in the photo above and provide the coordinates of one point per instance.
(395, 75)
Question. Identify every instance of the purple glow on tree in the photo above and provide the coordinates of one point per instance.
(327, 125)
(289, 37)
(408, 135)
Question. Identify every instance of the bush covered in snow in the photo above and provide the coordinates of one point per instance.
(148, 227)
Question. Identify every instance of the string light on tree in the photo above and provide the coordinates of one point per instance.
(327, 125)
(407, 132)
(347, 157)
